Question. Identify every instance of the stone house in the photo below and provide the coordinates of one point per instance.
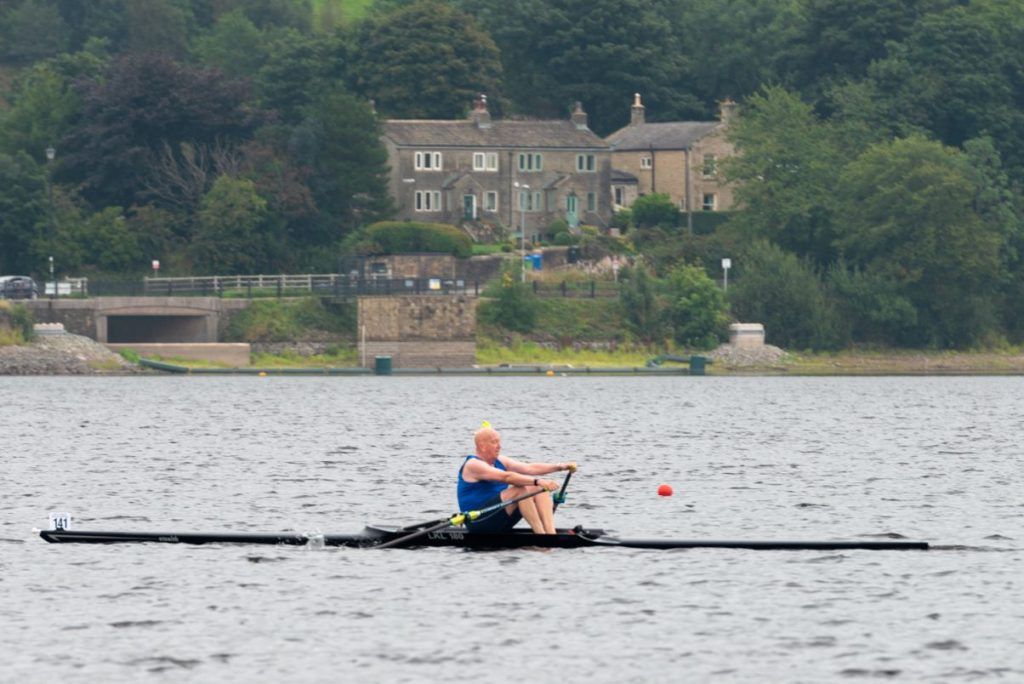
(512, 174)
(678, 158)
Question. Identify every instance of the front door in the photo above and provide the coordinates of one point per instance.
(571, 212)
(469, 207)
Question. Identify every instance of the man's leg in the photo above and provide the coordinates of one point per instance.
(527, 507)
(546, 511)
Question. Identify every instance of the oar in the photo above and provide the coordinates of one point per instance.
(456, 520)
(560, 497)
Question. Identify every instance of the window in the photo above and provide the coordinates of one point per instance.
(585, 163)
(428, 161)
(645, 162)
(591, 201)
(428, 200)
(529, 161)
(710, 168)
(619, 196)
(485, 161)
(709, 201)
(491, 201)
(530, 201)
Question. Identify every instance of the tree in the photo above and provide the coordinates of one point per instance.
(23, 212)
(32, 30)
(514, 308)
(640, 302)
(777, 289)
(957, 75)
(426, 61)
(298, 67)
(908, 214)
(837, 39)
(339, 141)
(696, 308)
(598, 52)
(231, 232)
(234, 44)
(142, 103)
(787, 167)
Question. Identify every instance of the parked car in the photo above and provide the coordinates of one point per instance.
(18, 287)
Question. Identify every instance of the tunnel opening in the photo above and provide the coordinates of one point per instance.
(149, 329)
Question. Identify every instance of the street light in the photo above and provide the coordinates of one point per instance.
(51, 154)
(522, 228)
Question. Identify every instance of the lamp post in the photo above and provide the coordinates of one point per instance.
(522, 228)
(51, 154)
(726, 265)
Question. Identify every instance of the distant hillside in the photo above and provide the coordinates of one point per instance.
(330, 13)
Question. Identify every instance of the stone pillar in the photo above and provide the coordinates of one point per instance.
(746, 335)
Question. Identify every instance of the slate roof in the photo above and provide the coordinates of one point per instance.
(500, 134)
(675, 135)
(619, 176)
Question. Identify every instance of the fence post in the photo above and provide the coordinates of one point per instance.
(593, 288)
(535, 286)
(279, 287)
(564, 289)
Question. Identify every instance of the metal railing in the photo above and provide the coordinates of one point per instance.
(591, 289)
(249, 286)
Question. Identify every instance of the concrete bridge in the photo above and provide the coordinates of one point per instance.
(140, 319)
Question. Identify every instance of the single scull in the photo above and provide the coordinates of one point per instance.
(373, 536)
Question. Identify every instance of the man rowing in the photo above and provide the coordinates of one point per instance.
(487, 478)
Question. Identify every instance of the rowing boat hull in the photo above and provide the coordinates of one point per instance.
(458, 537)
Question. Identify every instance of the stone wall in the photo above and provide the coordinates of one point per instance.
(418, 330)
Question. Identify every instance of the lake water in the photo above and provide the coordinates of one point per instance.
(938, 459)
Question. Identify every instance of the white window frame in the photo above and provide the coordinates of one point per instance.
(646, 162)
(586, 163)
(491, 201)
(428, 161)
(427, 201)
(709, 206)
(620, 195)
(531, 161)
(485, 161)
(709, 167)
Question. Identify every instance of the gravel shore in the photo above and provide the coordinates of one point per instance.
(63, 354)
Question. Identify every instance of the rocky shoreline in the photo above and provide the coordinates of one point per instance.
(64, 354)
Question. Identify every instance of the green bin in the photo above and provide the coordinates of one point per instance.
(697, 364)
(382, 365)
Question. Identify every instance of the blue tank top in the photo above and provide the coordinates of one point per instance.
(475, 495)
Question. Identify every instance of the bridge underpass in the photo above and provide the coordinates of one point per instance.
(156, 328)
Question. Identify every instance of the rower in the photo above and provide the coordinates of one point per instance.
(487, 478)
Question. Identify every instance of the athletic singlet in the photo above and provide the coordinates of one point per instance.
(475, 495)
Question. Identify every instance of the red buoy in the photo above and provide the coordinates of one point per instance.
(664, 490)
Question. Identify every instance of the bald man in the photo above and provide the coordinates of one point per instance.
(487, 478)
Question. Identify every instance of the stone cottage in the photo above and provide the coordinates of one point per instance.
(677, 158)
(519, 175)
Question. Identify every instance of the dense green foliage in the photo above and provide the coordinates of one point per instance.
(514, 306)
(880, 175)
(16, 323)
(393, 237)
(288, 320)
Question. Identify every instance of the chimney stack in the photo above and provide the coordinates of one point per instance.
(726, 110)
(480, 116)
(636, 112)
(579, 117)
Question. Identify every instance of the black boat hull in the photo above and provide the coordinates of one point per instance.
(459, 537)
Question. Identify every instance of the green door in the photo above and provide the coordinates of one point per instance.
(571, 211)
(469, 207)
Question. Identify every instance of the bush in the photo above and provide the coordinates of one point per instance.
(515, 306)
(275, 320)
(696, 308)
(395, 237)
(639, 302)
(16, 323)
(655, 210)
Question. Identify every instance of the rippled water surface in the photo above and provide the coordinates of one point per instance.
(933, 458)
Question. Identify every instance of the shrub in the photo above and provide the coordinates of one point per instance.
(17, 320)
(696, 308)
(655, 210)
(392, 237)
(515, 306)
(639, 302)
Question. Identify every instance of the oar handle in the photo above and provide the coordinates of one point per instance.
(561, 492)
